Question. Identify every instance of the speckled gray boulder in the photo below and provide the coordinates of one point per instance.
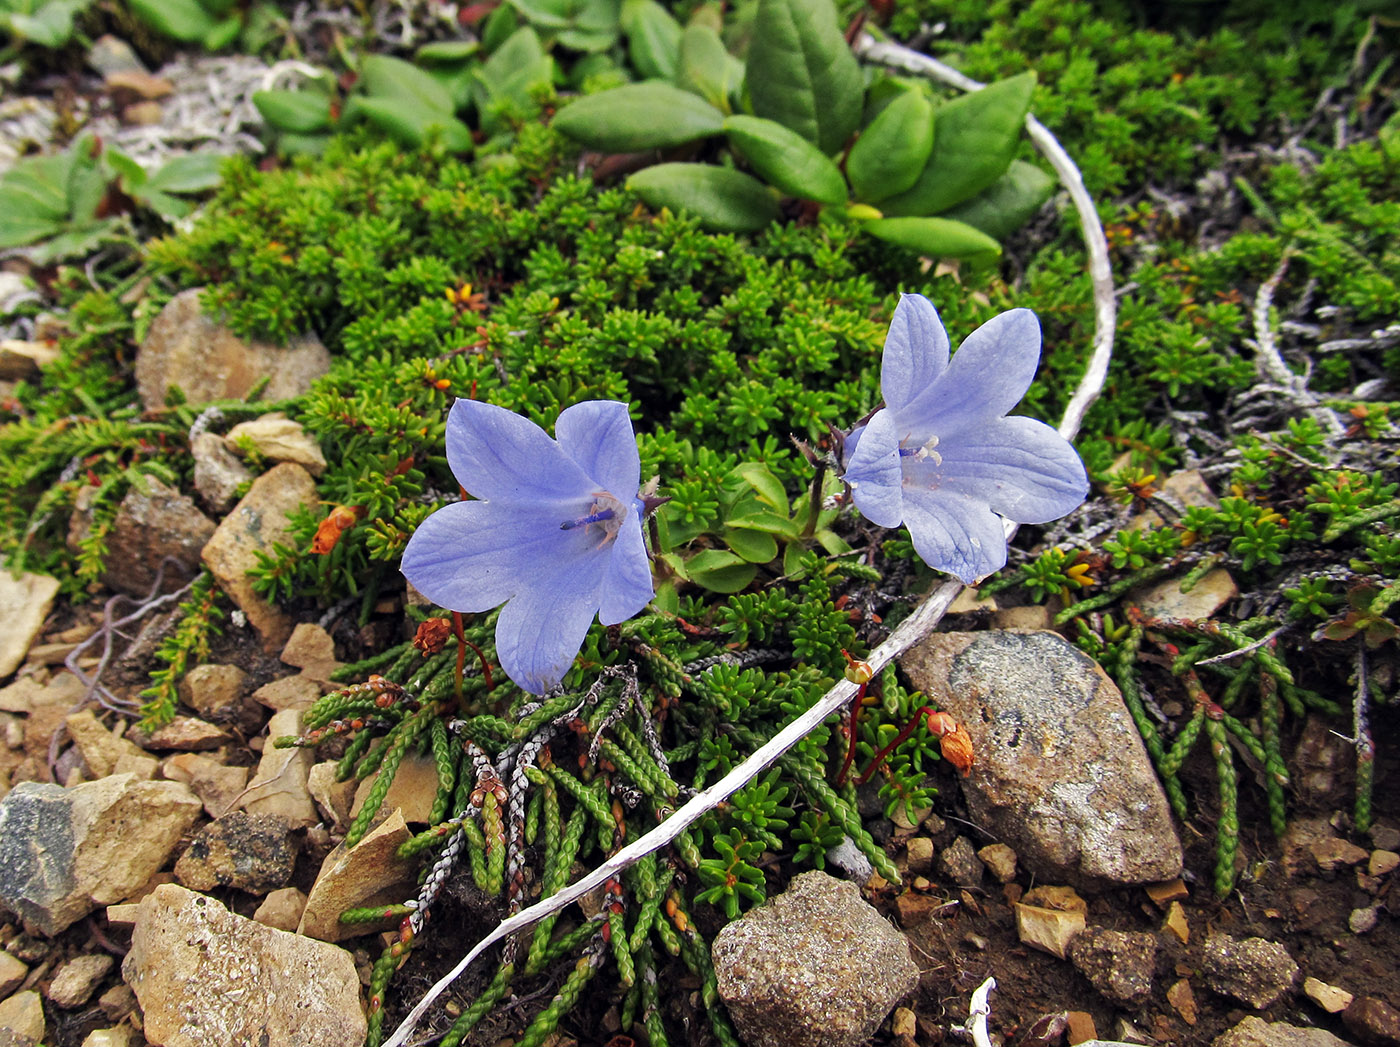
(815, 967)
(1255, 971)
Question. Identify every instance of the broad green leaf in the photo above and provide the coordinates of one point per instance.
(223, 33)
(666, 600)
(506, 80)
(768, 487)
(934, 237)
(707, 68)
(653, 38)
(724, 200)
(392, 79)
(294, 144)
(801, 72)
(832, 542)
(770, 522)
(75, 241)
(20, 223)
(720, 571)
(500, 26)
(583, 25)
(890, 154)
(191, 173)
(38, 186)
(974, 139)
(87, 184)
(786, 160)
(168, 207)
(132, 174)
(630, 119)
(304, 112)
(411, 125)
(1008, 203)
(51, 25)
(792, 560)
(446, 52)
(185, 20)
(753, 546)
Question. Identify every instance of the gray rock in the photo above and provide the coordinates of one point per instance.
(1255, 971)
(1061, 774)
(109, 54)
(1119, 964)
(1256, 1032)
(815, 967)
(64, 852)
(253, 852)
(207, 361)
(25, 601)
(205, 976)
(218, 474)
(958, 862)
(256, 523)
(152, 524)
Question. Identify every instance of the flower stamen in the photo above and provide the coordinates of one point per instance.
(584, 521)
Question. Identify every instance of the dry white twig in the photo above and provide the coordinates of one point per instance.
(909, 632)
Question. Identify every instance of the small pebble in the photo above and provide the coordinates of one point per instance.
(1362, 921)
(1330, 998)
(1382, 862)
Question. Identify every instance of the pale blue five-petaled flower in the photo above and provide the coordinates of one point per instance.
(942, 458)
(555, 533)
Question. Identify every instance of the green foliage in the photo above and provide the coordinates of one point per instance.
(47, 23)
(182, 650)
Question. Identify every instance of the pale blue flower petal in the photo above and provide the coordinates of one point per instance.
(1020, 467)
(627, 586)
(955, 533)
(987, 377)
(597, 434)
(541, 629)
(874, 472)
(500, 456)
(916, 351)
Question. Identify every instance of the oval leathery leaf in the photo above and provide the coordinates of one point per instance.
(383, 76)
(724, 200)
(412, 125)
(630, 119)
(1008, 203)
(974, 139)
(786, 160)
(653, 39)
(801, 72)
(892, 152)
(707, 68)
(304, 112)
(934, 237)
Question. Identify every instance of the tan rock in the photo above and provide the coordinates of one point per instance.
(289, 692)
(117, 1036)
(207, 361)
(1049, 930)
(967, 602)
(23, 1015)
(1330, 998)
(1168, 891)
(20, 359)
(311, 650)
(1183, 1000)
(413, 789)
(1001, 860)
(1032, 616)
(919, 851)
(186, 734)
(118, 1001)
(25, 601)
(206, 976)
(255, 524)
(282, 909)
(102, 750)
(1333, 852)
(1165, 599)
(280, 785)
(123, 915)
(12, 974)
(1062, 899)
(217, 473)
(216, 785)
(154, 522)
(1382, 862)
(333, 798)
(143, 85)
(219, 693)
(279, 439)
(78, 979)
(370, 873)
(1177, 924)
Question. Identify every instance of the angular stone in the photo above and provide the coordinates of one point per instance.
(219, 693)
(111, 54)
(1061, 774)
(815, 967)
(103, 752)
(281, 909)
(288, 692)
(919, 854)
(413, 790)
(218, 474)
(23, 1015)
(256, 523)
(78, 979)
(185, 734)
(1252, 970)
(1183, 1000)
(216, 785)
(150, 525)
(1049, 930)
(1372, 1021)
(117, 1036)
(1332, 852)
(333, 798)
(370, 873)
(958, 862)
(19, 359)
(25, 601)
(1330, 998)
(1255, 1032)
(207, 361)
(1165, 599)
(1382, 862)
(206, 976)
(1119, 964)
(64, 852)
(279, 787)
(252, 852)
(1001, 860)
(311, 649)
(12, 974)
(279, 439)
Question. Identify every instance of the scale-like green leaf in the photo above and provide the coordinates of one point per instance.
(388, 78)
(786, 160)
(890, 154)
(801, 72)
(974, 139)
(1008, 203)
(304, 112)
(724, 200)
(934, 237)
(653, 39)
(630, 119)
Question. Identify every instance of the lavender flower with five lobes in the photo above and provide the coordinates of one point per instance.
(555, 535)
(942, 458)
